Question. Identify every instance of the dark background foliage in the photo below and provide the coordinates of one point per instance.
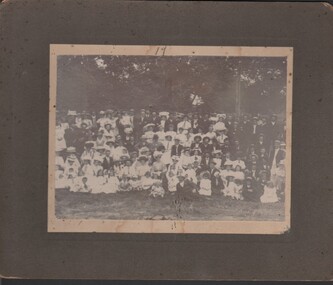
(178, 83)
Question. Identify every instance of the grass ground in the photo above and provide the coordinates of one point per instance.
(138, 206)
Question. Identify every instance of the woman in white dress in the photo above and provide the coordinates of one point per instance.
(269, 195)
(205, 187)
(60, 140)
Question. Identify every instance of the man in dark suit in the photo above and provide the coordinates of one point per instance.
(107, 161)
(205, 146)
(260, 143)
(206, 160)
(177, 148)
(215, 177)
(273, 129)
(156, 120)
(171, 121)
(254, 129)
(139, 122)
(204, 123)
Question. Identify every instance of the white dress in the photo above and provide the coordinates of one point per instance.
(205, 187)
(111, 185)
(172, 183)
(269, 195)
(233, 190)
(60, 140)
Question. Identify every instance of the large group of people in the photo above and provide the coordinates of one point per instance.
(166, 153)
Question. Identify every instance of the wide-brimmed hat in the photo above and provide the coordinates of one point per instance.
(71, 149)
(91, 143)
(142, 157)
(197, 136)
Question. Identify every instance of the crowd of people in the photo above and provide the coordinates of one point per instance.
(168, 153)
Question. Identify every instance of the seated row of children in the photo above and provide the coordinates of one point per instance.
(158, 182)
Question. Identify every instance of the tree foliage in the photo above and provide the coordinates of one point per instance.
(171, 83)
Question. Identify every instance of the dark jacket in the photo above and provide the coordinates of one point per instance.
(107, 164)
(176, 150)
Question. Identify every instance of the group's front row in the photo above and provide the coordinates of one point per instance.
(159, 181)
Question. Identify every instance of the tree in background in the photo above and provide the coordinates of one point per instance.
(184, 83)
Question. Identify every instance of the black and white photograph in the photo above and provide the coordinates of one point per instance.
(170, 139)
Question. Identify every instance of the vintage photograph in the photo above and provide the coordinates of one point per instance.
(170, 139)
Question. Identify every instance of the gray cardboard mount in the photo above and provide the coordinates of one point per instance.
(28, 251)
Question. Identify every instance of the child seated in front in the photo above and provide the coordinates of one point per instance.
(233, 189)
(249, 191)
(269, 195)
(136, 183)
(172, 179)
(147, 181)
(125, 185)
(111, 182)
(157, 189)
(205, 187)
(191, 177)
(84, 186)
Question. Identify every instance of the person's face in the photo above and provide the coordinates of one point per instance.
(206, 141)
(277, 144)
(237, 168)
(261, 139)
(229, 117)
(71, 162)
(245, 117)
(262, 151)
(254, 121)
(211, 128)
(128, 163)
(220, 119)
(176, 142)
(84, 180)
(273, 118)
(181, 130)
(143, 113)
(107, 153)
(147, 113)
